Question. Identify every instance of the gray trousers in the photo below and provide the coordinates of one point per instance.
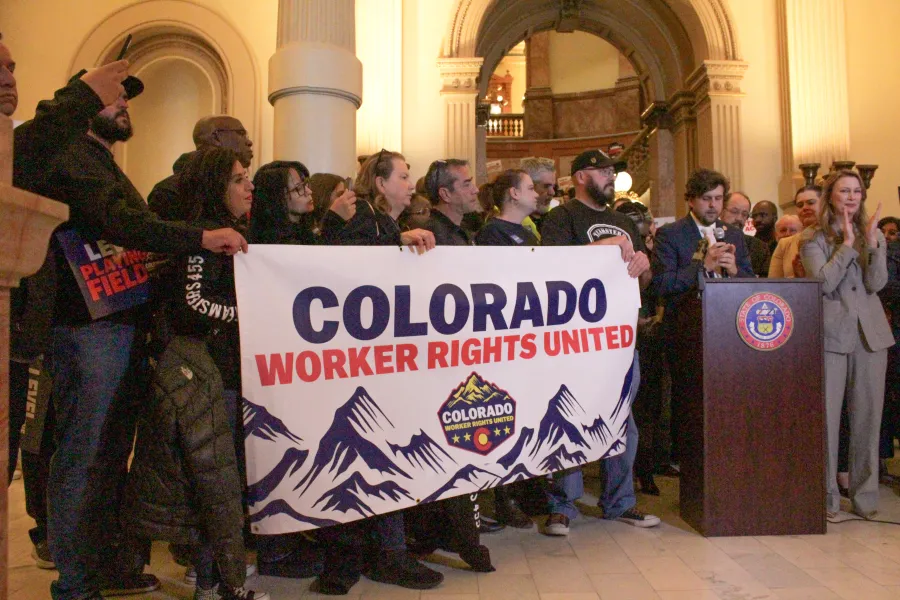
(860, 377)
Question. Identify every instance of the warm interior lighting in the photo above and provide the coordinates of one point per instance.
(623, 182)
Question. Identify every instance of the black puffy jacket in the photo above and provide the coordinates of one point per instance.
(184, 486)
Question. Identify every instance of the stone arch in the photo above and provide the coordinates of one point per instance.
(184, 30)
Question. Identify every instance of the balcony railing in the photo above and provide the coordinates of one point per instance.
(506, 125)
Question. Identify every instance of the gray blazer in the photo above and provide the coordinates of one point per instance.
(849, 297)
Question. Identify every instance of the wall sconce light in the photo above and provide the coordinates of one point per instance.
(841, 165)
(810, 170)
(866, 173)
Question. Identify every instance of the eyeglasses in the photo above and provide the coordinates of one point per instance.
(739, 213)
(603, 171)
(301, 189)
(420, 211)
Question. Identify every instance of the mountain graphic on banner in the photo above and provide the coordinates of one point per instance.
(556, 422)
(344, 443)
(476, 391)
(471, 474)
(258, 422)
(281, 507)
(508, 459)
(289, 464)
(616, 447)
(623, 396)
(350, 495)
(423, 452)
(557, 459)
(598, 430)
(519, 473)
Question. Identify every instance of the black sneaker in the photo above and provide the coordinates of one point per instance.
(399, 568)
(126, 585)
(230, 593)
(40, 552)
(634, 517)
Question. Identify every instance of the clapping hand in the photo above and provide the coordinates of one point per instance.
(847, 227)
(872, 228)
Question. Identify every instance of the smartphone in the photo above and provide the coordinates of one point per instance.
(124, 47)
(348, 183)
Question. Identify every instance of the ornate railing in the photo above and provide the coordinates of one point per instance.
(506, 125)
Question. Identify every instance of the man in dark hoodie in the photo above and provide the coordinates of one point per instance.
(214, 131)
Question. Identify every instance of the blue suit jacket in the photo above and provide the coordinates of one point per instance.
(674, 271)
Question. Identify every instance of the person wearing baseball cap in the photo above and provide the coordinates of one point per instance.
(99, 361)
(588, 219)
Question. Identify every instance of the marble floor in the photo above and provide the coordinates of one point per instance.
(600, 561)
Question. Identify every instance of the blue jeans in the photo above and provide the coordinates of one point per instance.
(98, 384)
(618, 491)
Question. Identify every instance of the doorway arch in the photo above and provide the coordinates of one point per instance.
(685, 53)
(182, 31)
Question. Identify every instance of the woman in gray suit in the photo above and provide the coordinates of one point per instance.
(847, 251)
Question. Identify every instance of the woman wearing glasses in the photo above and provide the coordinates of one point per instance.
(384, 189)
(282, 203)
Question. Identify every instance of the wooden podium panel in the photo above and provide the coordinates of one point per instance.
(753, 459)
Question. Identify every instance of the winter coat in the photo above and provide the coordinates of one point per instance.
(184, 486)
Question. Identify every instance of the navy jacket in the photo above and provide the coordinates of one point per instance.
(674, 270)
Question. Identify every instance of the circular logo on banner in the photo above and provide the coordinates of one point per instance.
(765, 321)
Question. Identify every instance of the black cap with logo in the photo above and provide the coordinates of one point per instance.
(595, 159)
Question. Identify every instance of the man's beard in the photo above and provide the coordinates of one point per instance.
(598, 195)
(108, 129)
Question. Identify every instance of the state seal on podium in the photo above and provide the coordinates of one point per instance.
(765, 321)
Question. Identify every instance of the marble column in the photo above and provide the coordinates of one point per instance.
(26, 222)
(315, 85)
(459, 94)
(716, 87)
(538, 103)
(379, 45)
(661, 143)
(815, 109)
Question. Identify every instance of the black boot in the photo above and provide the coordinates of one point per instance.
(648, 486)
(397, 567)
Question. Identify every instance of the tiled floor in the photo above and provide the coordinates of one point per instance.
(602, 561)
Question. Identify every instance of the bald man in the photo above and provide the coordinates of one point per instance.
(764, 216)
(9, 95)
(787, 225)
(214, 131)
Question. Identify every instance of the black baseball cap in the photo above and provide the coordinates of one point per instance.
(595, 159)
(133, 86)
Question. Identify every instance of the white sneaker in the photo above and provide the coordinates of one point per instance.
(634, 517)
(557, 524)
(190, 576)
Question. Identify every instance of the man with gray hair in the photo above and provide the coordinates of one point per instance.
(451, 188)
(543, 173)
(214, 131)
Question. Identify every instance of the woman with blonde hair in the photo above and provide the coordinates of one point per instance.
(384, 190)
(848, 253)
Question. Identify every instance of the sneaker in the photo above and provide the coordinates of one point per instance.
(126, 585)
(40, 552)
(230, 593)
(399, 568)
(190, 576)
(557, 524)
(634, 517)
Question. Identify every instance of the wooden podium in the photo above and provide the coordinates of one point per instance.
(753, 420)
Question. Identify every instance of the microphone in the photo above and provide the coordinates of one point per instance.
(719, 233)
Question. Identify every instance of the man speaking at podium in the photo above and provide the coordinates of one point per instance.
(698, 245)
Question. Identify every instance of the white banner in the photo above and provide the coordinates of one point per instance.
(376, 379)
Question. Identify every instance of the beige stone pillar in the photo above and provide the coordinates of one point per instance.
(815, 110)
(538, 103)
(315, 85)
(379, 46)
(459, 94)
(716, 86)
(26, 222)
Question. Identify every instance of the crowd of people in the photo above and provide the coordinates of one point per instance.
(163, 377)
